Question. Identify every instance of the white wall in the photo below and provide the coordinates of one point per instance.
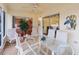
(64, 12)
(9, 21)
(67, 12)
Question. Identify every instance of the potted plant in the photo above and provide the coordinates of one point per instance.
(23, 27)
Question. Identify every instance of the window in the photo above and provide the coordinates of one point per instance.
(49, 21)
(13, 22)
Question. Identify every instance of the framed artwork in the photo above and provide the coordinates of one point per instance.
(70, 22)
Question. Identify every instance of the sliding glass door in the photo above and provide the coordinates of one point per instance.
(0, 30)
(0, 22)
(2, 26)
(3, 23)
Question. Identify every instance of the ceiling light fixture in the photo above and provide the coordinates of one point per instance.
(35, 5)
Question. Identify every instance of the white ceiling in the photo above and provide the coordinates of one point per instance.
(29, 8)
(34, 8)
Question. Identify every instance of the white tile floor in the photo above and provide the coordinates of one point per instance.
(11, 50)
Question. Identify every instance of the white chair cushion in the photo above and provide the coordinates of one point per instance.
(62, 37)
(51, 33)
(61, 40)
(12, 35)
(59, 50)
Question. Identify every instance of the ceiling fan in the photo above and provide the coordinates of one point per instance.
(35, 7)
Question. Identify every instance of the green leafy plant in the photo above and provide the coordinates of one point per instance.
(23, 25)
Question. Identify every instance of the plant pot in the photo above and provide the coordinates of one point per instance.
(23, 33)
